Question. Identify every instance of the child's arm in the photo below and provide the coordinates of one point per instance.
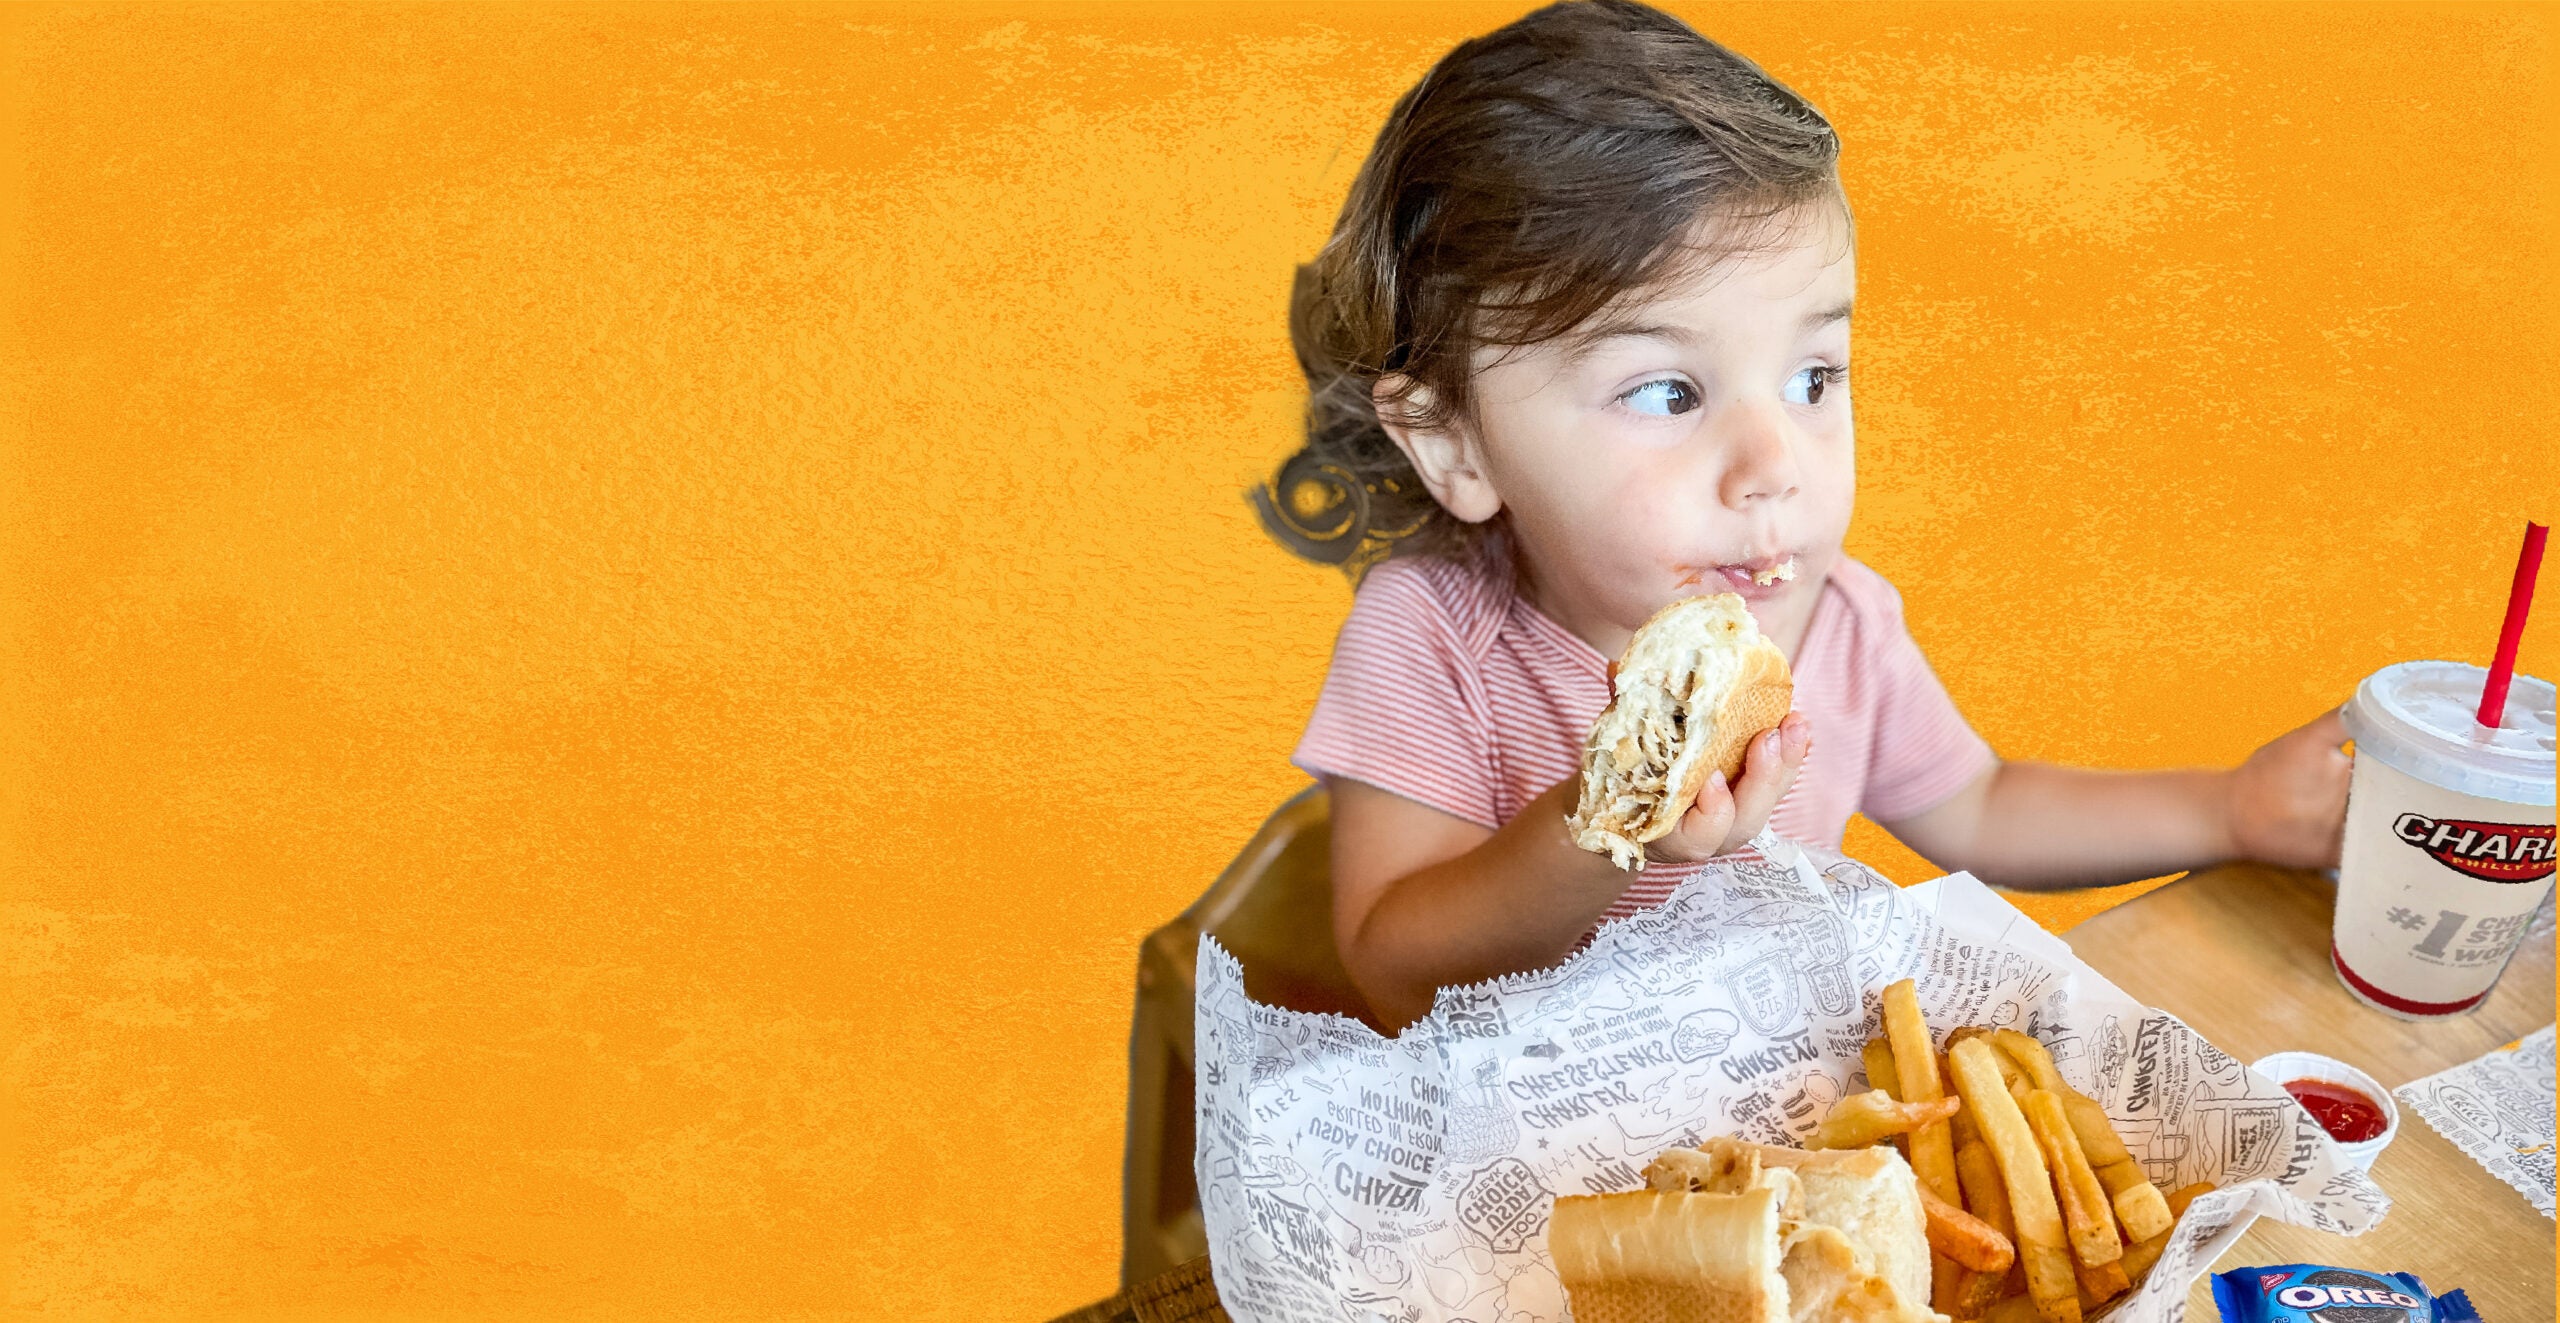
(2036, 826)
(1423, 899)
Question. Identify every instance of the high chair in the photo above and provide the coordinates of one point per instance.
(1273, 910)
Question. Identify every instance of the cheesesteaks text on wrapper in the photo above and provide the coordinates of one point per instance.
(1695, 686)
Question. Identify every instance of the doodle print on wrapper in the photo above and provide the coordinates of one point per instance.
(2498, 1109)
(1344, 1176)
(1480, 1126)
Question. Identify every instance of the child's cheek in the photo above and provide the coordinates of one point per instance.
(1647, 522)
(1834, 488)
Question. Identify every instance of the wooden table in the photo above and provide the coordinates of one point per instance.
(2242, 955)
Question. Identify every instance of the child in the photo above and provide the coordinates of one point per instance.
(1578, 347)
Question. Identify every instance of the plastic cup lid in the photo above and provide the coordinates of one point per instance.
(2422, 717)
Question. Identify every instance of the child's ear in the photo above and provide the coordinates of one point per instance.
(1449, 458)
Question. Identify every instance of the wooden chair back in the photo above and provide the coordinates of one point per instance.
(1273, 910)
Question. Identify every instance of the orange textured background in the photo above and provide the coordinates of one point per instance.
(616, 620)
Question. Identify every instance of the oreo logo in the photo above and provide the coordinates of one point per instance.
(2339, 1296)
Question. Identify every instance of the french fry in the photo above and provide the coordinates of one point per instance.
(1984, 1195)
(2091, 1221)
(2097, 1134)
(2018, 1309)
(1986, 1198)
(1949, 1281)
(1933, 1154)
(2118, 1176)
(1965, 1238)
(1866, 1118)
(2141, 1254)
(1974, 1291)
(1878, 1058)
(2039, 1243)
(1977, 1293)
(2102, 1282)
(2143, 1212)
(1962, 1131)
(1932, 1150)
(2031, 1056)
(2184, 1195)
(2035, 1208)
(1960, 1127)
(2013, 1076)
(2137, 1201)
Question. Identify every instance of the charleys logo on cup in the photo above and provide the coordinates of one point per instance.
(2492, 851)
(2448, 847)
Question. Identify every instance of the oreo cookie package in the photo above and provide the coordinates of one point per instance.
(2311, 1293)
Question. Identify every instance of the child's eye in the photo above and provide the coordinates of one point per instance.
(1815, 380)
(1662, 397)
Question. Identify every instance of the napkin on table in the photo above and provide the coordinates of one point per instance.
(2497, 1108)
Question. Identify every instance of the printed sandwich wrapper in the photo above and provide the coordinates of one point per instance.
(2497, 1108)
(1345, 1176)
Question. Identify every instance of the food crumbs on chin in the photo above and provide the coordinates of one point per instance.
(1785, 569)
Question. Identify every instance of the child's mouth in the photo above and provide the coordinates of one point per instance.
(1754, 578)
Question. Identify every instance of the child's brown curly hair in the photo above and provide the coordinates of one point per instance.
(1535, 175)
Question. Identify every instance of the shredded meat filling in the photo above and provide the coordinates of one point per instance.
(1642, 759)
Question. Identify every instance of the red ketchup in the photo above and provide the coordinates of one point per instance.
(2348, 1116)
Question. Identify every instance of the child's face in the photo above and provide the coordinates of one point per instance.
(1702, 437)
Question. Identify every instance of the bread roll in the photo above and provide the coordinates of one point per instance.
(1871, 1195)
(1736, 1230)
(1647, 1257)
(1830, 1279)
(1697, 683)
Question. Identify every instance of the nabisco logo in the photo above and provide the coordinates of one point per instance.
(2492, 851)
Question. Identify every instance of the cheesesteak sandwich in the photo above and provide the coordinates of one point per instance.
(1697, 683)
(1736, 1232)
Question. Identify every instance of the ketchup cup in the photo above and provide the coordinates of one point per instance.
(2292, 1068)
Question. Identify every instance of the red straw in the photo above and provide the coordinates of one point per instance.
(2493, 695)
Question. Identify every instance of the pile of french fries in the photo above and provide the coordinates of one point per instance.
(2036, 1209)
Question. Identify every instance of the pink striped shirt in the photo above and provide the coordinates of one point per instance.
(1450, 689)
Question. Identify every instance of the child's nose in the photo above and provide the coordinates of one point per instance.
(1759, 451)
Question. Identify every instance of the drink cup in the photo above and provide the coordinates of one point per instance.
(2448, 851)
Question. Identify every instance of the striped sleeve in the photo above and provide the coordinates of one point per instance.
(1925, 751)
(1403, 706)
